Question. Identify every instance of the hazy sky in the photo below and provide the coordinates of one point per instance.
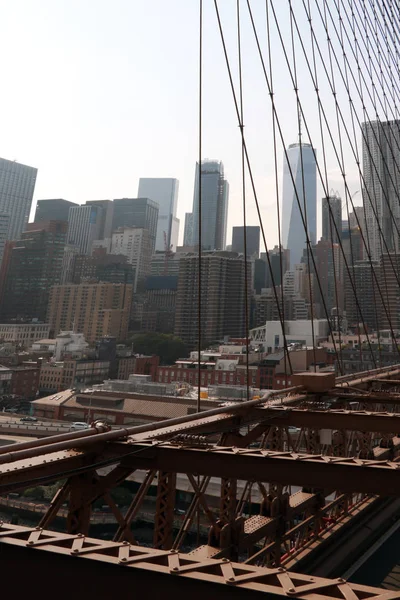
(97, 93)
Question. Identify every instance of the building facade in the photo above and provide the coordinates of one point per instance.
(389, 277)
(77, 374)
(222, 297)
(106, 218)
(101, 267)
(381, 175)
(363, 305)
(17, 184)
(164, 191)
(332, 219)
(160, 303)
(135, 244)
(34, 265)
(299, 192)
(24, 334)
(188, 231)
(56, 209)
(214, 205)
(252, 240)
(84, 226)
(4, 225)
(137, 212)
(96, 310)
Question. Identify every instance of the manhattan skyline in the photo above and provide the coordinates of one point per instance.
(92, 98)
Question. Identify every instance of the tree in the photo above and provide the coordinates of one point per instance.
(167, 346)
(36, 493)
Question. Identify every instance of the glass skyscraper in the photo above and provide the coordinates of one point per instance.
(381, 173)
(137, 212)
(299, 187)
(214, 206)
(164, 191)
(17, 184)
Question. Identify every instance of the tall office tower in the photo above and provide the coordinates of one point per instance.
(164, 191)
(275, 258)
(331, 216)
(135, 244)
(84, 225)
(35, 264)
(4, 224)
(389, 275)
(94, 309)
(17, 184)
(137, 212)
(252, 240)
(107, 215)
(381, 171)
(367, 295)
(222, 298)
(329, 267)
(214, 206)
(299, 187)
(357, 218)
(188, 231)
(56, 209)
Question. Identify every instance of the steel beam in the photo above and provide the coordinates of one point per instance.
(345, 474)
(384, 422)
(174, 573)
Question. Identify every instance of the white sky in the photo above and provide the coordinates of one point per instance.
(98, 93)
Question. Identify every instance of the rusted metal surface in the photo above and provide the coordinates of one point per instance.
(164, 517)
(347, 474)
(288, 447)
(209, 573)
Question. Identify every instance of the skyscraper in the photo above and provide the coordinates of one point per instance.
(330, 218)
(135, 244)
(299, 187)
(56, 209)
(84, 226)
(222, 297)
(214, 206)
(106, 220)
(137, 212)
(35, 264)
(164, 191)
(4, 223)
(365, 286)
(188, 231)
(17, 184)
(381, 171)
(252, 240)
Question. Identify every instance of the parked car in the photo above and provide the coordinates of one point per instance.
(28, 420)
(77, 426)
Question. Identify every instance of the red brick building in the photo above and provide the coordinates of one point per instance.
(25, 381)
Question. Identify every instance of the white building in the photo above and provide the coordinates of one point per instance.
(299, 187)
(66, 343)
(135, 244)
(84, 226)
(24, 334)
(297, 332)
(164, 191)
